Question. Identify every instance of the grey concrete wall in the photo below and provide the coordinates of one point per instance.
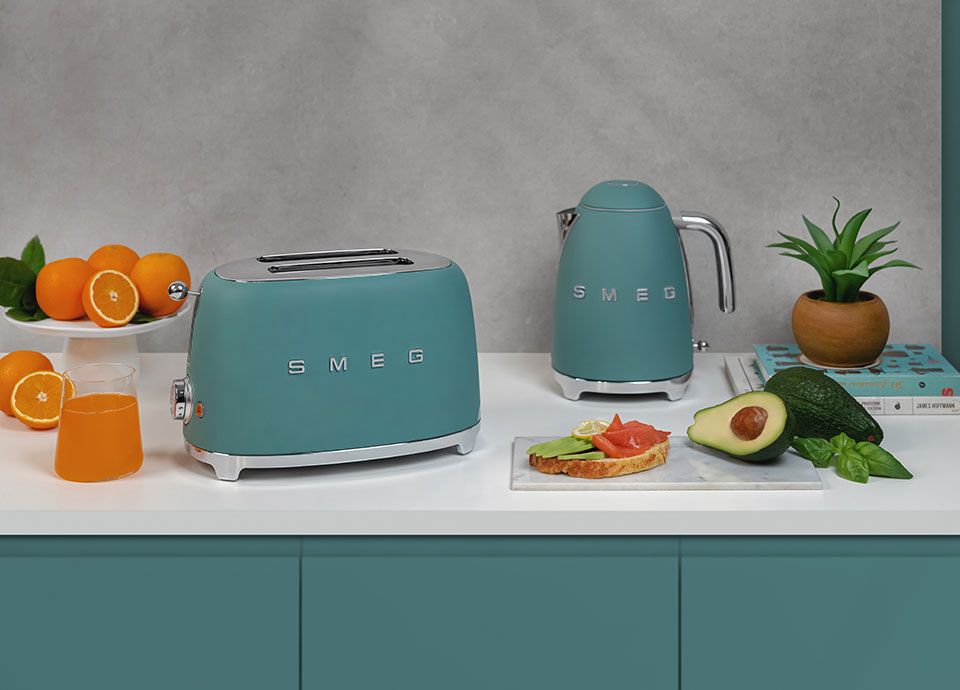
(224, 129)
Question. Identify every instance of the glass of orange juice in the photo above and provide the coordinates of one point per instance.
(99, 436)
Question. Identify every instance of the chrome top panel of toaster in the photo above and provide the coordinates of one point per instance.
(342, 263)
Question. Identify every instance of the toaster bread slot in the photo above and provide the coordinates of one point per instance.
(328, 254)
(326, 264)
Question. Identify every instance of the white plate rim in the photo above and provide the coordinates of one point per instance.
(84, 328)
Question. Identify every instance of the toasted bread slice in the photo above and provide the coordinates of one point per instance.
(607, 467)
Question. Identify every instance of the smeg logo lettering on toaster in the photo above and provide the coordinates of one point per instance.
(610, 294)
(341, 363)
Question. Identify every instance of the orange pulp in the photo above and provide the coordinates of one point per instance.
(99, 437)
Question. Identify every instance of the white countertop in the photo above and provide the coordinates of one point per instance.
(443, 493)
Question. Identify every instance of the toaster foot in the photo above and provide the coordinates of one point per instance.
(468, 439)
(228, 467)
(573, 387)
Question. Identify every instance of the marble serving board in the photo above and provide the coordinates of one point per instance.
(689, 467)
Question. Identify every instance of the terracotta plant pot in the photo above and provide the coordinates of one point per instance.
(840, 334)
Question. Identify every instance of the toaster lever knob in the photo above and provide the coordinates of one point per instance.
(700, 346)
(181, 399)
(178, 291)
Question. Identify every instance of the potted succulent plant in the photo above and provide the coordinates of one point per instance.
(840, 325)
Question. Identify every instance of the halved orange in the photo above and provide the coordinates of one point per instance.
(36, 399)
(14, 367)
(110, 299)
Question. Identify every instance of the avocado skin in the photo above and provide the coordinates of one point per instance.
(773, 450)
(822, 407)
(595, 455)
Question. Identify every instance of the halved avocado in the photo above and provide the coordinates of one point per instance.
(753, 427)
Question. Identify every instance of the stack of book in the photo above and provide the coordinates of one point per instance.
(907, 379)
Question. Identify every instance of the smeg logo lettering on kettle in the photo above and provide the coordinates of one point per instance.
(611, 294)
(341, 363)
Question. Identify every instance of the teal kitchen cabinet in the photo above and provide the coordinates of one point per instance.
(564, 613)
(151, 613)
(836, 613)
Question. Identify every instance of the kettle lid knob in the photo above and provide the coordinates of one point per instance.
(622, 195)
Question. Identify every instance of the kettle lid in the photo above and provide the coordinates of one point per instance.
(622, 195)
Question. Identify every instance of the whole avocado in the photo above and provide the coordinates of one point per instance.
(821, 407)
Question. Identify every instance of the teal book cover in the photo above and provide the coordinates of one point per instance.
(903, 369)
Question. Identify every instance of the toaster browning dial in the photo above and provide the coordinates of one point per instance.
(181, 399)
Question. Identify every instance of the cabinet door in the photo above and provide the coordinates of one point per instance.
(482, 612)
(801, 613)
(152, 613)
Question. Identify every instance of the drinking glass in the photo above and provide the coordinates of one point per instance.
(99, 436)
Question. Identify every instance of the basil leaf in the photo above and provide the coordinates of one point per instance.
(33, 255)
(24, 315)
(853, 466)
(881, 462)
(842, 442)
(816, 450)
(15, 277)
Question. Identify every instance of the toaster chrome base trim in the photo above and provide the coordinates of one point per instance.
(228, 467)
(573, 387)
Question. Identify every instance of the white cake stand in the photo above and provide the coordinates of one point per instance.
(87, 343)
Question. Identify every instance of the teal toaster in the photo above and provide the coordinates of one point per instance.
(328, 357)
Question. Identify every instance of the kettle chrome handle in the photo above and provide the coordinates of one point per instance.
(721, 249)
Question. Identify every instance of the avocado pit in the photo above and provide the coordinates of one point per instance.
(748, 423)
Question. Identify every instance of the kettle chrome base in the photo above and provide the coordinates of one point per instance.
(573, 388)
(228, 467)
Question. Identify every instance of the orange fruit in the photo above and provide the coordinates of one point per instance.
(114, 257)
(36, 399)
(60, 286)
(110, 299)
(152, 275)
(14, 367)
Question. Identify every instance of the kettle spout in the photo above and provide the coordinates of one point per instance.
(565, 220)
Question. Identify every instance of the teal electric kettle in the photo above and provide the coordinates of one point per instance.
(622, 307)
